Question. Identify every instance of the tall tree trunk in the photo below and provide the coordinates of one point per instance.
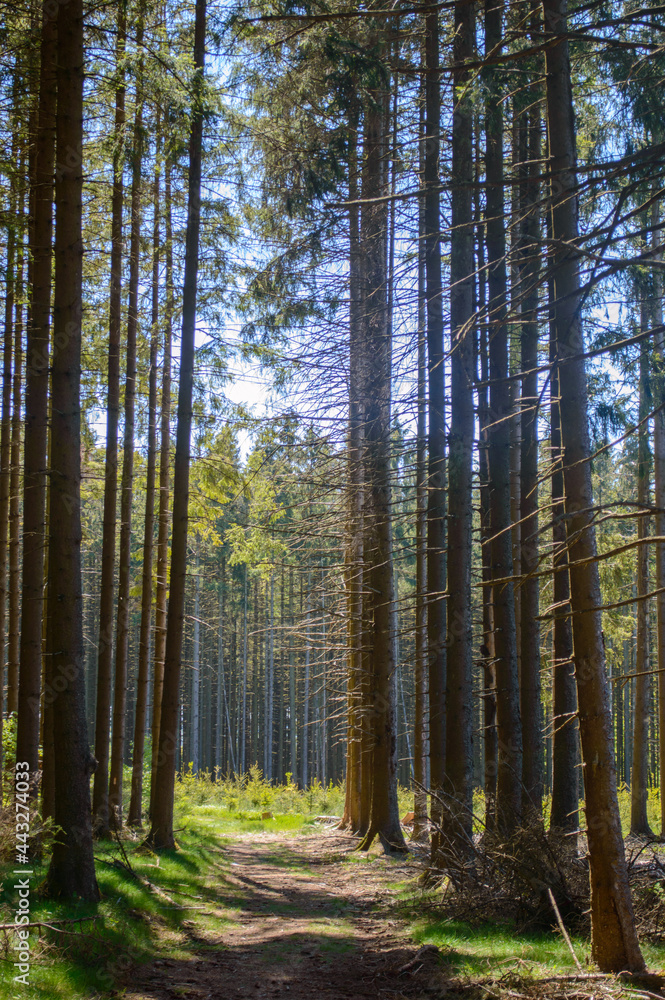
(354, 553)
(161, 834)
(639, 786)
(6, 419)
(384, 815)
(36, 411)
(420, 730)
(127, 486)
(195, 689)
(458, 791)
(100, 806)
(305, 722)
(565, 783)
(436, 496)
(134, 813)
(164, 494)
(13, 616)
(614, 943)
(72, 868)
(487, 659)
(509, 726)
(528, 271)
(659, 492)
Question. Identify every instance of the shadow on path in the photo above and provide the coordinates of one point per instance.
(307, 923)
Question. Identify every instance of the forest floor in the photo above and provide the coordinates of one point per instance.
(311, 923)
(305, 916)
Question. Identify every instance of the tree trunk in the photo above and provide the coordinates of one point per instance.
(127, 486)
(13, 617)
(528, 271)
(105, 642)
(134, 813)
(564, 814)
(614, 943)
(487, 659)
(6, 423)
(161, 834)
(195, 731)
(420, 731)
(72, 869)
(436, 496)
(164, 493)
(354, 547)
(509, 726)
(659, 495)
(639, 785)
(36, 412)
(458, 791)
(384, 816)
(305, 723)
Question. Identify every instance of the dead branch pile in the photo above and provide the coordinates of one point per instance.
(510, 881)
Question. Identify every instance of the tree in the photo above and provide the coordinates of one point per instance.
(127, 485)
(383, 818)
(72, 868)
(458, 790)
(161, 833)
(107, 583)
(508, 719)
(639, 786)
(436, 439)
(36, 409)
(135, 804)
(614, 940)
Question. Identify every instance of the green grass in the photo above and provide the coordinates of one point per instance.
(213, 815)
(493, 950)
(135, 924)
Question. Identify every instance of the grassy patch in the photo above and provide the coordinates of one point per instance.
(189, 907)
(492, 950)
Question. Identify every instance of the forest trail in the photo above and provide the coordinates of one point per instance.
(311, 923)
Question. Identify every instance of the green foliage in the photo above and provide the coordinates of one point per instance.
(250, 794)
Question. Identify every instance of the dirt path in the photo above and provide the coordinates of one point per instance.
(311, 923)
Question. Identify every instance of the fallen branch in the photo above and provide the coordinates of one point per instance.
(53, 925)
(563, 930)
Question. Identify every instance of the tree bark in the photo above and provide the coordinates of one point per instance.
(564, 813)
(436, 496)
(529, 272)
(6, 420)
(161, 834)
(36, 412)
(164, 494)
(659, 493)
(72, 868)
(354, 548)
(14, 590)
(134, 813)
(639, 785)
(614, 943)
(509, 725)
(384, 815)
(100, 806)
(458, 790)
(127, 485)
(420, 728)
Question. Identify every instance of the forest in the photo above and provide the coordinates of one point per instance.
(332, 499)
